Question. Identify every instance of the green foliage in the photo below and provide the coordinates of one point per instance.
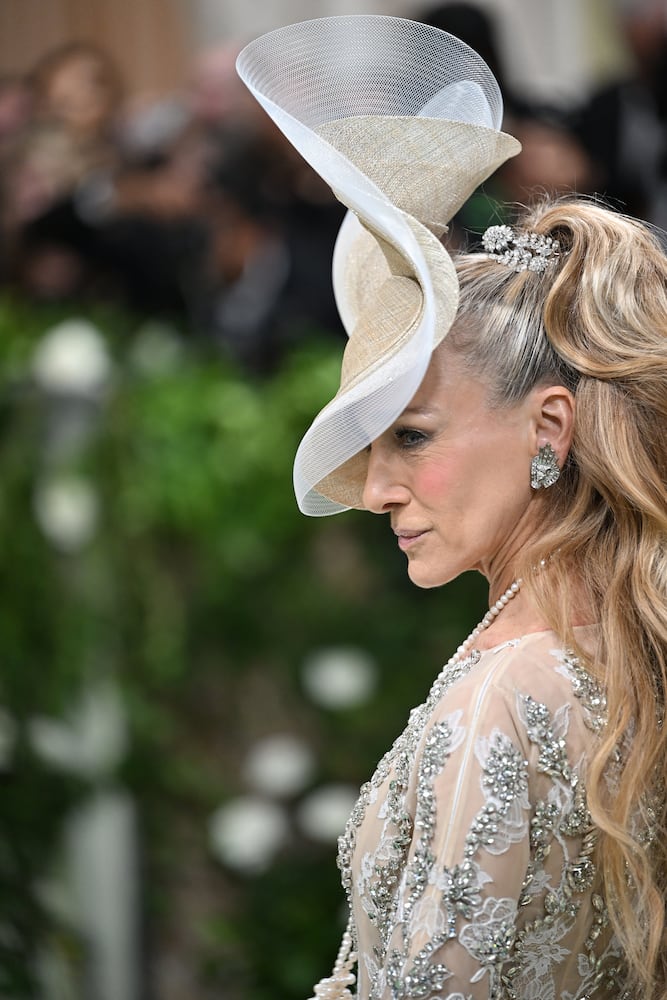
(193, 583)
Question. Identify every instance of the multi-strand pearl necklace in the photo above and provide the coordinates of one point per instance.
(337, 986)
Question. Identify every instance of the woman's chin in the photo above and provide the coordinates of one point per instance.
(424, 577)
(429, 573)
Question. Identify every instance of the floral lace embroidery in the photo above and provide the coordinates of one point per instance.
(562, 817)
(400, 755)
(589, 693)
(519, 957)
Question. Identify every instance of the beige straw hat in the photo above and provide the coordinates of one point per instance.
(402, 120)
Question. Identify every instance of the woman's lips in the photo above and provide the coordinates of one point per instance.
(406, 539)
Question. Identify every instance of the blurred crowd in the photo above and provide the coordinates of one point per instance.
(612, 142)
(193, 205)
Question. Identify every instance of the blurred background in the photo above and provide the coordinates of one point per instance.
(194, 678)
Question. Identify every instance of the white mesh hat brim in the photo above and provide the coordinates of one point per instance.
(361, 411)
(402, 121)
(368, 64)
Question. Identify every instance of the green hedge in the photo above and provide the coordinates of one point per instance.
(152, 550)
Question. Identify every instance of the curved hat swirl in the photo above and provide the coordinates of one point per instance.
(402, 120)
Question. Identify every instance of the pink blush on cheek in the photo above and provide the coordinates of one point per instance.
(433, 483)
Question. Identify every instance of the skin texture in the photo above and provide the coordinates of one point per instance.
(454, 476)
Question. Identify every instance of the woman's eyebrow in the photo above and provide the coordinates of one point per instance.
(417, 411)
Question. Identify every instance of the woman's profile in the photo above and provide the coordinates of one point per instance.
(506, 408)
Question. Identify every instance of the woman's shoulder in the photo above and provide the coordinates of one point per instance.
(535, 668)
(537, 658)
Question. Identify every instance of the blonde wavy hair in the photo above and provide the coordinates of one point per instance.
(596, 322)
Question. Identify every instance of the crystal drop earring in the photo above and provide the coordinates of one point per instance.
(544, 470)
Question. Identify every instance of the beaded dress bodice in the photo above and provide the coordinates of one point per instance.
(469, 859)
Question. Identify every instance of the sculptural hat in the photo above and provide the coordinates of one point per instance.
(402, 120)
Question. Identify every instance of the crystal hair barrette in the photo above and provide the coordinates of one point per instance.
(524, 252)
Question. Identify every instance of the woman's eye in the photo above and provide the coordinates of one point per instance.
(407, 437)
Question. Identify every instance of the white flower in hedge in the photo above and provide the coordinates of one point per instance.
(92, 740)
(72, 359)
(340, 677)
(279, 765)
(67, 511)
(323, 814)
(247, 832)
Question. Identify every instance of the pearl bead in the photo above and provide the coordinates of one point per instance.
(335, 986)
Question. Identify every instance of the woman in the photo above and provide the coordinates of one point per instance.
(511, 843)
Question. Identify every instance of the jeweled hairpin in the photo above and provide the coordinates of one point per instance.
(524, 252)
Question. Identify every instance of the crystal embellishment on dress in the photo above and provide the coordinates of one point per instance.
(524, 252)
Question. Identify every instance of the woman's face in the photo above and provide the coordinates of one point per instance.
(454, 476)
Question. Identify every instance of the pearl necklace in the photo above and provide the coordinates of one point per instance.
(337, 986)
(488, 618)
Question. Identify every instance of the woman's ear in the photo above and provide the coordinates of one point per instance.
(553, 414)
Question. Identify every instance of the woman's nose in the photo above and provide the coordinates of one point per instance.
(382, 490)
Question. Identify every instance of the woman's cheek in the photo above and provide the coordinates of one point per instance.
(434, 483)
